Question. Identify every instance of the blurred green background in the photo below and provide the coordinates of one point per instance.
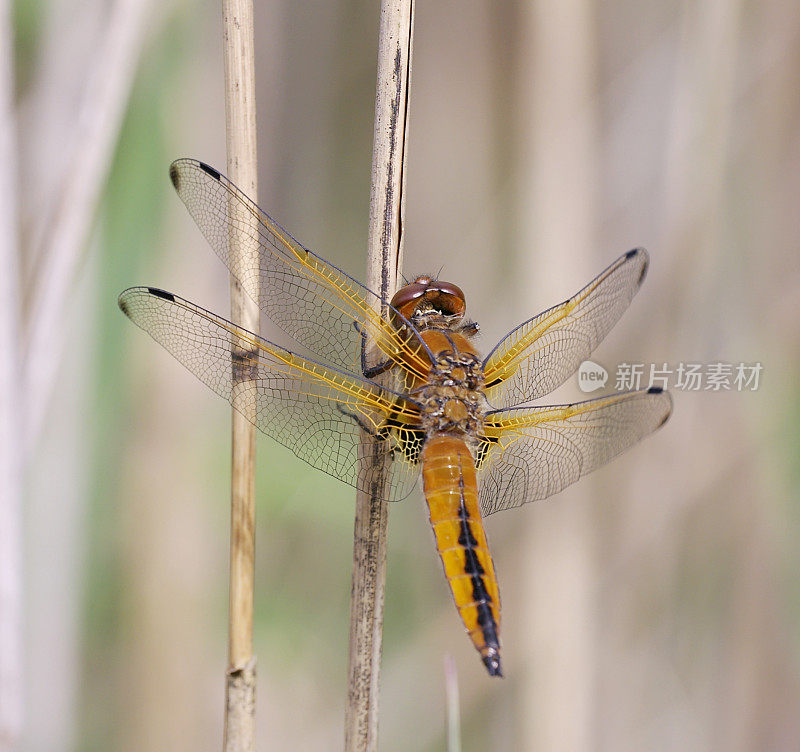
(652, 606)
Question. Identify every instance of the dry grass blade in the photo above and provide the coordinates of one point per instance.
(10, 418)
(453, 709)
(240, 112)
(557, 234)
(384, 252)
(108, 86)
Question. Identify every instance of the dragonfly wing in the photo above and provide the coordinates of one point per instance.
(313, 301)
(541, 353)
(529, 454)
(316, 411)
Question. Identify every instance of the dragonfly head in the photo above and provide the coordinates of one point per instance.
(429, 302)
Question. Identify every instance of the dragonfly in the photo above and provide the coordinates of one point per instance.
(427, 404)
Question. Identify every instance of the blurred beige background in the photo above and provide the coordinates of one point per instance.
(654, 606)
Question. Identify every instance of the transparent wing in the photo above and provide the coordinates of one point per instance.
(540, 354)
(314, 410)
(313, 301)
(532, 453)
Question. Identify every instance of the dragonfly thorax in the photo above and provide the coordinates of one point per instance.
(452, 400)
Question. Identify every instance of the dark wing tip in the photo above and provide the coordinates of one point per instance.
(126, 298)
(175, 176)
(209, 170)
(161, 294)
(669, 409)
(641, 253)
(122, 302)
(660, 390)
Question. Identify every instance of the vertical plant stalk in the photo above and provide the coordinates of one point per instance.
(240, 122)
(384, 251)
(453, 708)
(11, 708)
(68, 222)
(557, 192)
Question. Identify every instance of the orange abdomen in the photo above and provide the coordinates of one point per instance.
(451, 490)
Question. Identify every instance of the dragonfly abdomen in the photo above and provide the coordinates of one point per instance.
(451, 490)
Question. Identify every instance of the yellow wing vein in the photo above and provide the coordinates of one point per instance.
(308, 368)
(332, 279)
(505, 364)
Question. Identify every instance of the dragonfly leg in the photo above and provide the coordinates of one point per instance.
(370, 372)
(361, 424)
(469, 328)
(409, 443)
(382, 434)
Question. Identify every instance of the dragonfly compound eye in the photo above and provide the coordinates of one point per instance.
(426, 294)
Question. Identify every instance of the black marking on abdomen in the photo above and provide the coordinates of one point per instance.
(473, 567)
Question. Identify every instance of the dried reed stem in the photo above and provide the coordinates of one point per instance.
(557, 224)
(453, 709)
(109, 80)
(385, 246)
(240, 110)
(10, 417)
